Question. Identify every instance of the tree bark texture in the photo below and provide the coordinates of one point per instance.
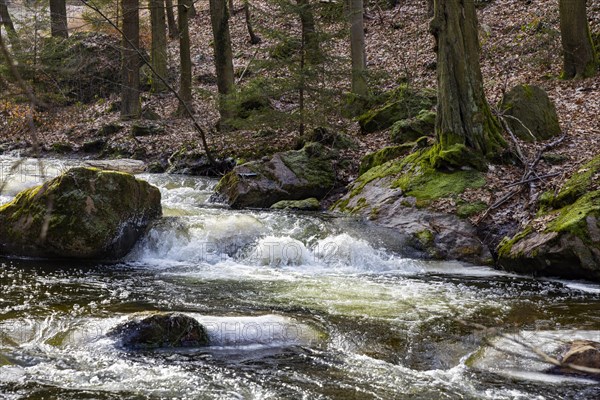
(580, 58)
(185, 82)
(58, 18)
(357, 48)
(465, 126)
(130, 67)
(159, 43)
(173, 30)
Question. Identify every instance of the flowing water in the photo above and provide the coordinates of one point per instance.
(297, 305)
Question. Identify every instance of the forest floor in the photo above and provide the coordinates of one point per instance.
(520, 44)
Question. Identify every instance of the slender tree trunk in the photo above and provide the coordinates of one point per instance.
(219, 16)
(311, 39)
(58, 18)
(173, 31)
(6, 21)
(185, 83)
(159, 43)
(130, 70)
(254, 39)
(580, 58)
(466, 130)
(192, 10)
(231, 7)
(430, 8)
(357, 48)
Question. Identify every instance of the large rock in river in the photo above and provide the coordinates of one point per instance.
(161, 330)
(564, 240)
(291, 175)
(397, 193)
(85, 213)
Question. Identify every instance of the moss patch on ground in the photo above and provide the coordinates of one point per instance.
(581, 182)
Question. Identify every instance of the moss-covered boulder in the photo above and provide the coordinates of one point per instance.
(403, 103)
(311, 204)
(291, 175)
(411, 129)
(569, 245)
(161, 330)
(530, 113)
(85, 213)
(396, 194)
(565, 238)
(384, 155)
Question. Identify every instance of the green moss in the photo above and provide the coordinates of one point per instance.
(311, 204)
(382, 156)
(426, 237)
(581, 181)
(466, 210)
(505, 247)
(404, 102)
(409, 130)
(572, 218)
(61, 147)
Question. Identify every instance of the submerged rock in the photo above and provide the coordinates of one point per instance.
(311, 204)
(569, 245)
(126, 165)
(291, 175)
(582, 353)
(531, 114)
(85, 213)
(162, 330)
(396, 194)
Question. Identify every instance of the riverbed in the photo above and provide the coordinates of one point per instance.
(297, 305)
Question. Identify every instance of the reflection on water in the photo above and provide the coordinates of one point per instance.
(296, 306)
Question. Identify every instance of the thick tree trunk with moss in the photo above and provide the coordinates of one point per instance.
(219, 17)
(185, 59)
(58, 18)
(580, 58)
(173, 30)
(159, 43)
(357, 48)
(466, 130)
(130, 67)
(309, 32)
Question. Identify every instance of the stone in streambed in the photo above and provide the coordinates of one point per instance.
(161, 330)
(86, 213)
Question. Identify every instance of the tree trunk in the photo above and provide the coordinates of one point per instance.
(185, 82)
(254, 39)
(357, 48)
(159, 43)
(5, 18)
(580, 58)
(309, 33)
(219, 16)
(192, 10)
(58, 18)
(130, 67)
(430, 8)
(173, 31)
(466, 130)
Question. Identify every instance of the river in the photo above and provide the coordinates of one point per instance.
(297, 306)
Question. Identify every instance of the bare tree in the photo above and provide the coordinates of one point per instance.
(58, 18)
(159, 43)
(173, 30)
(580, 58)
(357, 48)
(130, 69)
(254, 39)
(6, 20)
(219, 16)
(185, 59)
